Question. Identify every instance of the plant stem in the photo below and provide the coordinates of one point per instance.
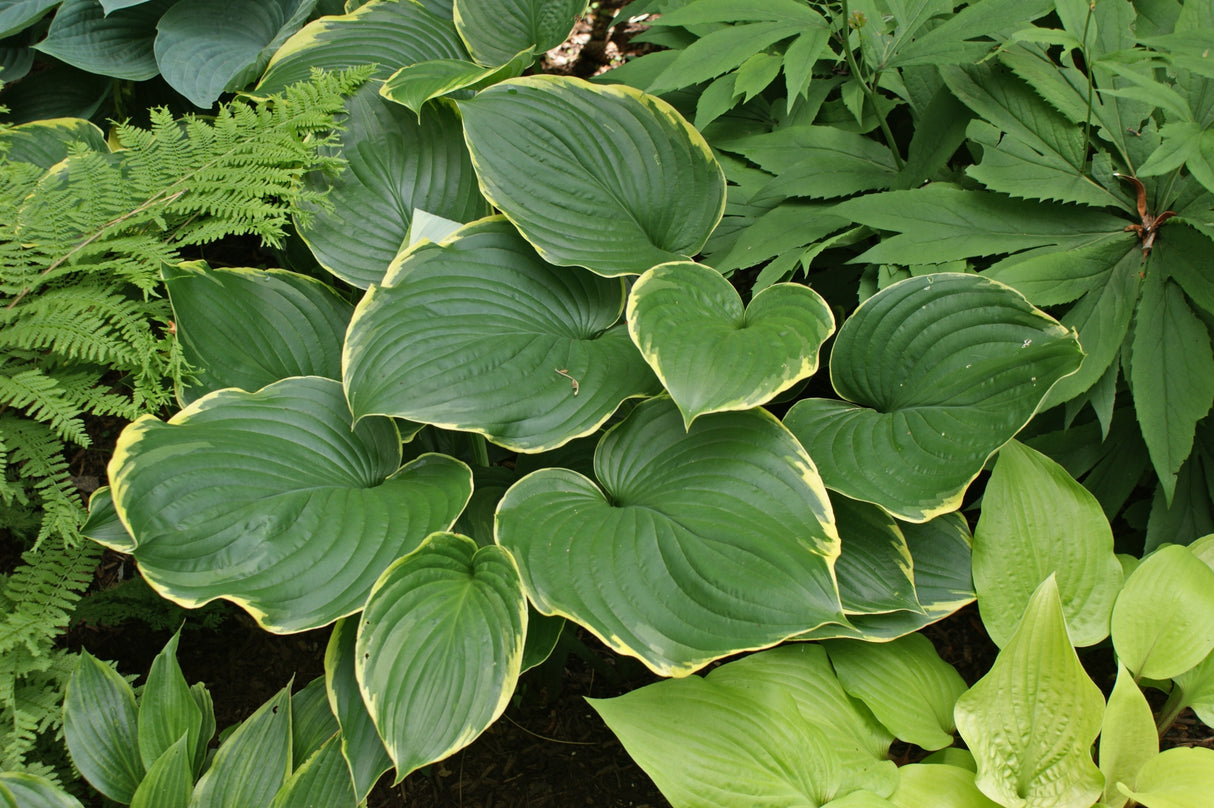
(1171, 709)
(480, 452)
(1087, 64)
(869, 88)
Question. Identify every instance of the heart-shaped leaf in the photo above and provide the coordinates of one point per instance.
(248, 328)
(396, 164)
(495, 30)
(533, 139)
(439, 647)
(480, 334)
(387, 33)
(1037, 521)
(202, 55)
(271, 500)
(700, 543)
(939, 785)
(875, 568)
(16, 15)
(712, 354)
(1182, 777)
(937, 373)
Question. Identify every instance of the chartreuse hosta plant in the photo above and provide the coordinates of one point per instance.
(786, 726)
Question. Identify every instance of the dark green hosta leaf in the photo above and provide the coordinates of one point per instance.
(253, 762)
(361, 746)
(937, 373)
(118, 45)
(774, 728)
(396, 165)
(272, 501)
(480, 334)
(439, 647)
(248, 328)
(205, 48)
(387, 33)
(167, 710)
(1010, 719)
(712, 354)
(100, 722)
(21, 790)
(875, 569)
(650, 193)
(416, 84)
(643, 561)
(59, 91)
(495, 30)
(17, 15)
(1036, 522)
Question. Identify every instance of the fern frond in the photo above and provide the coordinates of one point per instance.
(41, 396)
(43, 593)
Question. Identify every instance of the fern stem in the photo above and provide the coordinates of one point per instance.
(869, 88)
(1087, 64)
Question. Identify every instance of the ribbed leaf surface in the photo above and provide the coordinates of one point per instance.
(440, 646)
(361, 746)
(253, 763)
(495, 30)
(480, 334)
(117, 45)
(100, 726)
(699, 544)
(937, 373)
(651, 192)
(322, 780)
(271, 500)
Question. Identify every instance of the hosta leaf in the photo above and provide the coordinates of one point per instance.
(253, 763)
(1036, 522)
(312, 721)
(938, 785)
(938, 372)
(103, 525)
(905, 683)
(1010, 719)
(45, 143)
(1182, 777)
(361, 746)
(272, 501)
(937, 223)
(22, 790)
(248, 328)
(1163, 621)
(59, 91)
(495, 30)
(480, 334)
(710, 352)
(439, 647)
(117, 45)
(322, 779)
(414, 85)
(774, 728)
(874, 568)
(1171, 375)
(643, 561)
(202, 55)
(100, 727)
(535, 138)
(167, 710)
(387, 33)
(1128, 738)
(1198, 686)
(396, 164)
(170, 779)
(17, 15)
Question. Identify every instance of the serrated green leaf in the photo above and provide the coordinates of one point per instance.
(385, 33)
(1010, 719)
(1163, 621)
(396, 165)
(714, 355)
(1128, 738)
(167, 710)
(534, 138)
(253, 762)
(439, 647)
(361, 747)
(1171, 375)
(921, 388)
(170, 779)
(118, 45)
(1038, 522)
(271, 500)
(719, 52)
(905, 683)
(495, 30)
(952, 42)
(100, 725)
(248, 328)
(480, 334)
(1177, 778)
(202, 55)
(639, 561)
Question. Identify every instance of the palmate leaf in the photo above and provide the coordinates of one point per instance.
(643, 561)
(495, 30)
(482, 335)
(534, 138)
(937, 373)
(272, 501)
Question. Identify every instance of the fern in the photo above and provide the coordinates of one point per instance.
(83, 328)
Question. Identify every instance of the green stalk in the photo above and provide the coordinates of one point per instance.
(1087, 63)
(480, 452)
(1171, 708)
(869, 89)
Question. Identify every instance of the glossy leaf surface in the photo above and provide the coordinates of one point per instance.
(253, 763)
(495, 30)
(361, 746)
(100, 723)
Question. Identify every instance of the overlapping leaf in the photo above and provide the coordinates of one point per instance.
(712, 354)
(480, 334)
(700, 543)
(937, 373)
(118, 44)
(495, 30)
(271, 500)
(538, 146)
(361, 746)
